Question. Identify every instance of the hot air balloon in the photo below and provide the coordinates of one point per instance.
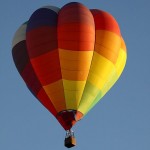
(69, 58)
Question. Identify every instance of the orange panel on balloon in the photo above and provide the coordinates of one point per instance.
(55, 86)
(75, 75)
(75, 65)
(75, 55)
(55, 92)
(107, 44)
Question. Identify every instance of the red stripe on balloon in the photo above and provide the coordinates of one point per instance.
(41, 41)
(105, 21)
(76, 29)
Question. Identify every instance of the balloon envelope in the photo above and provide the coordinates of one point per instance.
(69, 58)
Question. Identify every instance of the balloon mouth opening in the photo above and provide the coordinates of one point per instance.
(68, 118)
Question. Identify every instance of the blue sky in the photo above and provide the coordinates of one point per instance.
(121, 121)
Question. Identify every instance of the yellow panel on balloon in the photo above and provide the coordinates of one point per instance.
(110, 82)
(113, 75)
(73, 85)
(101, 77)
(73, 91)
(72, 99)
(121, 61)
(100, 67)
(96, 80)
(88, 97)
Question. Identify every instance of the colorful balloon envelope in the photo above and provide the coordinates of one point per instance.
(69, 58)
